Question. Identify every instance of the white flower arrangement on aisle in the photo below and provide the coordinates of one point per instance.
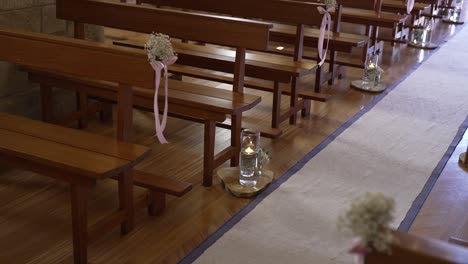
(159, 48)
(160, 56)
(367, 219)
(329, 3)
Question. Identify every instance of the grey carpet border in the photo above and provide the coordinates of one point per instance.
(410, 216)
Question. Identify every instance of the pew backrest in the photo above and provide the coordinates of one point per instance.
(225, 31)
(360, 4)
(76, 57)
(363, 4)
(284, 11)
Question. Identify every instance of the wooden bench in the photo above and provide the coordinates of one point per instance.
(399, 6)
(77, 157)
(80, 159)
(292, 19)
(193, 55)
(369, 13)
(277, 71)
(410, 249)
(194, 102)
(187, 101)
(434, 8)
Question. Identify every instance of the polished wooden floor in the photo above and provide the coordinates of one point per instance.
(35, 214)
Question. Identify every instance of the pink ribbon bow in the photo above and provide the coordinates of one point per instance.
(157, 67)
(359, 250)
(326, 25)
(409, 6)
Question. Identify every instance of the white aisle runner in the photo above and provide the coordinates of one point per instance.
(393, 149)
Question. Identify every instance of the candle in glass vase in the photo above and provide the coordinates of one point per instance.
(456, 14)
(248, 162)
(250, 142)
(427, 35)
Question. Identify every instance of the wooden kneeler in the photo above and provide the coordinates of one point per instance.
(158, 188)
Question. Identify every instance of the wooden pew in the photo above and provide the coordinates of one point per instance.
(369, 13)
(434, 9)
(399, 6)
(293, 22)
(80, 159)
(77, 157)
(193, 102)
(280, 70)
(410, 249)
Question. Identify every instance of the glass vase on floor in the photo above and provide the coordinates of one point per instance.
(250, 145)
(371, 74)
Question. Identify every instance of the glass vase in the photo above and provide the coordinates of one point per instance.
(250, 145)
(371, 72)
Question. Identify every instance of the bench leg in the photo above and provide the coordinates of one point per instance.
(331, 67)
(157, 203)
(82, 105)
(79, 223)
(126, 201)
(318, 79)
(306, 109)
(208, 153)
(276, 114)
(106, 112)
(294, 100)
(47, 103)
(369, 43)
(236, 127)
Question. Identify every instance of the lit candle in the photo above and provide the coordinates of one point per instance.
(371, 66)
(249, 150)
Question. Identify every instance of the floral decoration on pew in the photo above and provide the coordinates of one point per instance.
(409, 6)
(367, 220)
(325, 26)
(329, 3)
(160, 55)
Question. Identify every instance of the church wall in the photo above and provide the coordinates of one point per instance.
(30, 15)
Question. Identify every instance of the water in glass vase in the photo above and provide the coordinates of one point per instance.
(248, 163)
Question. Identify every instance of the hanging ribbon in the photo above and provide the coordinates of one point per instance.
(326, 25)
(158, 66)
(409, 6)
(359, 250)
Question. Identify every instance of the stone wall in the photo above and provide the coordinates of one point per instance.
(30, 15)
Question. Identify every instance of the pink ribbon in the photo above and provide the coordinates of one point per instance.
(157, 67)
(409, 6)
(359, 250)
(326, 25)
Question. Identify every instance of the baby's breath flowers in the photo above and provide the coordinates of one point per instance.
(329, 3)
(368, 218)
(159, 47)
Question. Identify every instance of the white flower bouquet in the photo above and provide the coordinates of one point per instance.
(159, 48)
(329, 3)
(367, 219)
(160, 55)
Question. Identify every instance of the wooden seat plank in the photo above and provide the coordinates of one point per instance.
(262, 61)
(248, 82)
(394, 5)
(73, 138)
(363, 16)
(160, 184)
(60, 156)
(211, 99)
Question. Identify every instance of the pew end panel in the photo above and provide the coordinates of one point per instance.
(408, 248)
